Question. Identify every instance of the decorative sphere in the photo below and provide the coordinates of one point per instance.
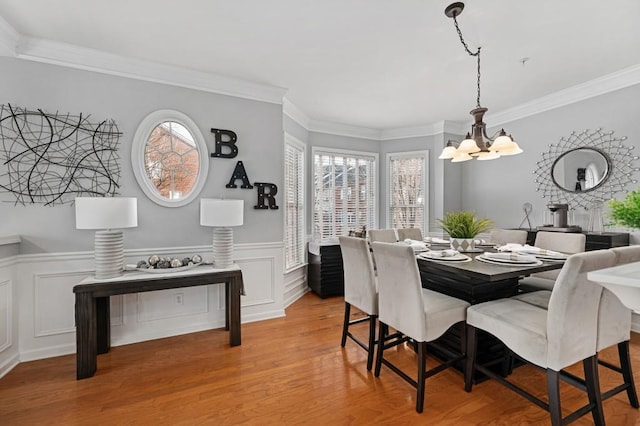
(176, 263)
(163, 264)
(142, 265)
(196, 258)
(153, 260)
(186, 261)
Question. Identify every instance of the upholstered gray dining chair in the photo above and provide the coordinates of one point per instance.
(568, 243)
(614, 326)
(383, 235)
(553, 338)
(360, 290)
(409, 233)
(415, 313)
(501, 237)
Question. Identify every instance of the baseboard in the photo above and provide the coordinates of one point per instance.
(9, 365)
(635, 322)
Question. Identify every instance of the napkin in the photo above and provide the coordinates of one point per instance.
(536, 251)
(415, 244)
(436, 240)
(443, 253)
(513, 257)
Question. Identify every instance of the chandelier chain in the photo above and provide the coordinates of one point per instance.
(476, 54)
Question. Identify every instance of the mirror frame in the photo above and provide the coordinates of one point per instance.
(138, 146)
(590, 148)
(619, 158)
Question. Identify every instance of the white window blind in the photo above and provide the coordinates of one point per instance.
(407, 190)
(294, 204)
(344, 193)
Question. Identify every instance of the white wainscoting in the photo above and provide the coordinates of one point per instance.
(9, 352)
(42, 293)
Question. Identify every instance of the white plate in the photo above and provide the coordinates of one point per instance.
(455, 258)
(505, 262)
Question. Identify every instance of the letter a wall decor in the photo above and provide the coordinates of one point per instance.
(52, 158)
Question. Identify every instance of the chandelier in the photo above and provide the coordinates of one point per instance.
(476, 144)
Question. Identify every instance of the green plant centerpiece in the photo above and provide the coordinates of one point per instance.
(627, 211)
(462, 227)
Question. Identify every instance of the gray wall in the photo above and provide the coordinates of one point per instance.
(52, 88)
(498, 188)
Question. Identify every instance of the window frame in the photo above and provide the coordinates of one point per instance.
(302, 231)
(407, 155)
(139, 143)
(366, 155)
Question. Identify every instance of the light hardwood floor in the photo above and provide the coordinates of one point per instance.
(288, 371)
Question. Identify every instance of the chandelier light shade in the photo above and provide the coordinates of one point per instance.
(222, 214)
(107, 215)
(477, 144)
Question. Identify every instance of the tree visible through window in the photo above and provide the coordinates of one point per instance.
(344, 193)
(407, 190)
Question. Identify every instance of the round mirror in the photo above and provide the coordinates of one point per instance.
(580, 170)
(169, 158)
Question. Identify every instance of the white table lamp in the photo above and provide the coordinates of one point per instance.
(222, 215)
(108, 215)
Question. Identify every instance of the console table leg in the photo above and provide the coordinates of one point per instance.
(103, 320)
(234, 288)
(86, 336)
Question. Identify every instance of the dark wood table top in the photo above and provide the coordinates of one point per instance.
(482, 271)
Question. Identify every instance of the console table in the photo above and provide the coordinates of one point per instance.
(93, 320)
(595, 240)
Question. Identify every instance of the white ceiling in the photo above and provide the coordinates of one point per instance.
(378, 64)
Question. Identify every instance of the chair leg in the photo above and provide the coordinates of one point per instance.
(372, 340)
(469, 368)
(384, 332)
(345, 324)
(422, 376)
(553, 391)
(593, 388)
(625, 365)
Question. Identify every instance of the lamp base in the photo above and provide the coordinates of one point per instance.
(222, 248)
(108, 254)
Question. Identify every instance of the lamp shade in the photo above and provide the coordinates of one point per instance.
(221, 213)
(106, 212)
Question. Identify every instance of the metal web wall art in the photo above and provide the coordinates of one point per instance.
(52, 158)
(619, 157)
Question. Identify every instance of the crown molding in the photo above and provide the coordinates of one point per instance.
(608, 83)
(440, 127)
(294, 113)
(9, 39)
(342, 129)
(51, 52)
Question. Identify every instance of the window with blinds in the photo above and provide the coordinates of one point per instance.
(344, 192)
(408, 190)
(294, 232)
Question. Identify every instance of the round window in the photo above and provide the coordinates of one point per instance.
(169, 158)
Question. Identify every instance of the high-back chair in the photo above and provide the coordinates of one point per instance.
(360, 290)
(501, 237)
(383, 235)
(614, 326)
(409, 233)
(568, 243)
(414, 312)
(553, 338)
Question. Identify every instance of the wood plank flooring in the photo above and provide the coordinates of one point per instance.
(288, 371)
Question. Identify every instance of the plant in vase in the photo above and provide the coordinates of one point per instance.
(462, 227)
(627, 213)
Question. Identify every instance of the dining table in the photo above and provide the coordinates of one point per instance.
(475, 282)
